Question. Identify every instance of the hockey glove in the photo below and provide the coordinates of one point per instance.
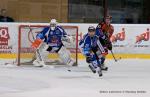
(106, 52)
(49, 48)
(109, 46)
(88, 59)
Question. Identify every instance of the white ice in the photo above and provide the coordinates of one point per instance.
(125, 75)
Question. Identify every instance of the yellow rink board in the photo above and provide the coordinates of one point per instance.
(80, 56)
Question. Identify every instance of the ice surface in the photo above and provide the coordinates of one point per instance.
(124, 75)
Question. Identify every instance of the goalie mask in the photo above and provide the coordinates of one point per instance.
(53, 24)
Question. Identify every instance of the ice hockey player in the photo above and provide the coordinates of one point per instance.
(105, 30)
(92, 50)
(51, 39)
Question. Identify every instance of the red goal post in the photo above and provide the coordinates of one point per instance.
(26, 35)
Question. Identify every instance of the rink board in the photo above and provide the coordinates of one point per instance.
(129, 40)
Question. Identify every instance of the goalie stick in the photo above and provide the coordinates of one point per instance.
(37, 50)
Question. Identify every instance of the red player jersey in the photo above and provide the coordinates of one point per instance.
(107, 29)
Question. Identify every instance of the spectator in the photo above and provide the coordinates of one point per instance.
(4, 17)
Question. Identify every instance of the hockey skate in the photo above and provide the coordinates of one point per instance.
(72, 62)
(93, 69)
(37, 63)
(99, 71)
(103, 67)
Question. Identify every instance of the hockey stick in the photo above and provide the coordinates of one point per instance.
(37, 50)
(102, 50)
(114, 56)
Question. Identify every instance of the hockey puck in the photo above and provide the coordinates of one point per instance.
(69, 70)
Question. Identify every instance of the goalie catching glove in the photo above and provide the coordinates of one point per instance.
(67, 39)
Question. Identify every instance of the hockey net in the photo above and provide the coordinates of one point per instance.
(27, 34)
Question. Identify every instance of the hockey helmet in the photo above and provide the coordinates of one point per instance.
(53, 24)
(91, 29)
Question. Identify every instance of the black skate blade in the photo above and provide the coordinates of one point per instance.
(104, 69)
(100, 75)
(100, 72)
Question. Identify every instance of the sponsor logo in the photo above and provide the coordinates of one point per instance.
(143, 37)
(118, 37)
(4, 36)
(4, 40)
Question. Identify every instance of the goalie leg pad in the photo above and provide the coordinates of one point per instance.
(38, 63)
(41, 54)
(65, 56)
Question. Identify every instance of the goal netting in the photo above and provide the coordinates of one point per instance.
(27, 33)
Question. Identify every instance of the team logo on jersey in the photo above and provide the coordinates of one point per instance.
(4, 36)
(143, 37)
(54, 39)
(118, 37)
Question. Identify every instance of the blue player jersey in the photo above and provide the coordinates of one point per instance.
(52, 37)
(88, 43)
